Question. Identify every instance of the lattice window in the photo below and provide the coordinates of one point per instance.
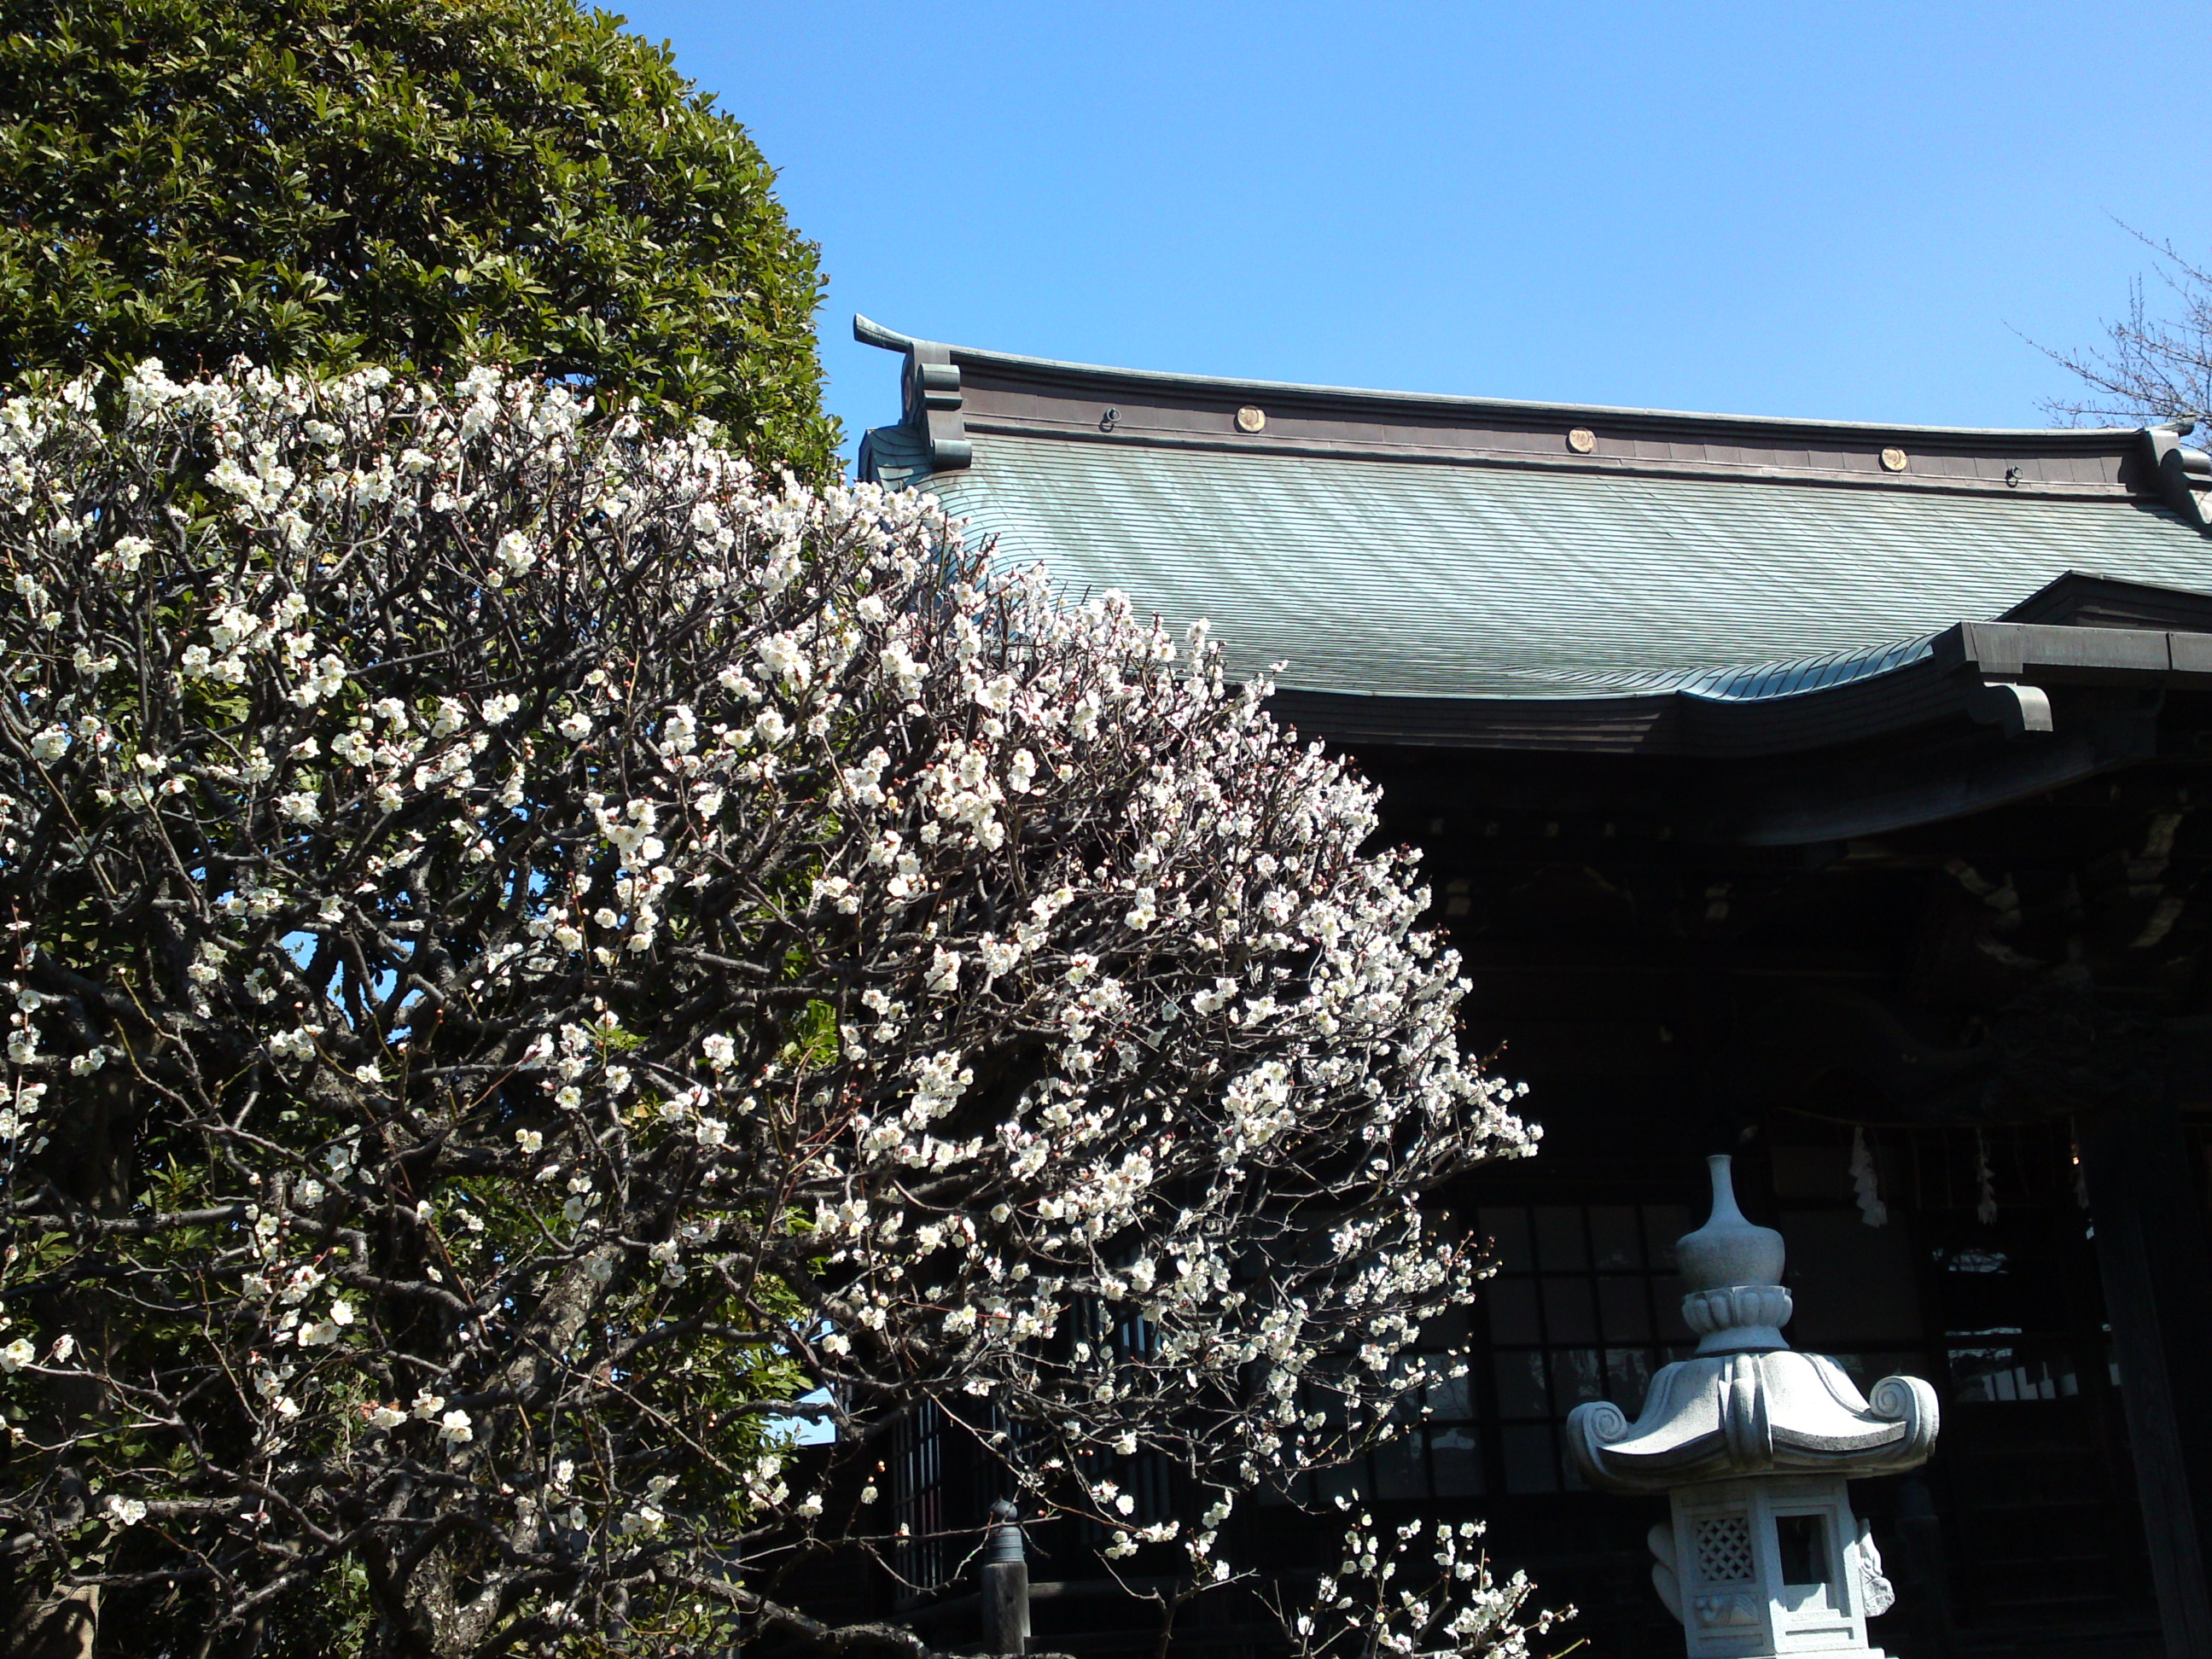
(1585, 1306)
(1724, 1550)
(918, 1496)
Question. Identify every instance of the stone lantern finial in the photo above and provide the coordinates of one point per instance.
(1731, 1269)
(1753, 1442)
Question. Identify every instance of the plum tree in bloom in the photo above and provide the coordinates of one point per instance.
(536, 956)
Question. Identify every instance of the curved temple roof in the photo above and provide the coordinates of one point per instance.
(1445, 554)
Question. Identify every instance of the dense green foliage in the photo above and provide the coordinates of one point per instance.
(418, 183)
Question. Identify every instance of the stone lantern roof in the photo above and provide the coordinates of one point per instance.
(1747, 1403)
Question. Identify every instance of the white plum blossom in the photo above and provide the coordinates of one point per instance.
(298, 1043)
(944, 976)
(515, 552)
(598, 932)
(1418, 1587)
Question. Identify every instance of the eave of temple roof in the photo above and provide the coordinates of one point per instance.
(1440, 553)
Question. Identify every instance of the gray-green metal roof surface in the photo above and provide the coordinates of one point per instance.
(1412, 578)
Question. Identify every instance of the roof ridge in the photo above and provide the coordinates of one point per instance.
(870, 332)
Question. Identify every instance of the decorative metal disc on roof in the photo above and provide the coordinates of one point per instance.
(1249, 419)
(1581, 441)
(1892, 460)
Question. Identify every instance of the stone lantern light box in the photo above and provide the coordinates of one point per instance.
(1754, 1443)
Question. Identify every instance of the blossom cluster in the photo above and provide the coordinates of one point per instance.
(1414, 1588)
(614, 955)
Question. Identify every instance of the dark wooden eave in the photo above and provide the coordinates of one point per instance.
(1938, 738)
(1951, 682)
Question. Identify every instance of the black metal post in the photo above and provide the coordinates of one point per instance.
(1005, 1584)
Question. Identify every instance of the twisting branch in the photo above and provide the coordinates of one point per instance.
(2156, 364)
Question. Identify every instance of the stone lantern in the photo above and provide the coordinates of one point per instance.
(1753, 1443)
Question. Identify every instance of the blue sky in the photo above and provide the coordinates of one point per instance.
(1783, 209)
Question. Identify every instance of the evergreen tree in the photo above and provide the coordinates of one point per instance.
(420, 184)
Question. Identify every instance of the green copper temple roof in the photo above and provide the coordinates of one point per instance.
(1402, 546)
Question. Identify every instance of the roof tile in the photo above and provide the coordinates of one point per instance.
(1421, 579)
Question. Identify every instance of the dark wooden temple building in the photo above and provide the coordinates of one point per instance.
(1839, 796)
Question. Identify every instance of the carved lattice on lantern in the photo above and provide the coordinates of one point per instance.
(1725, 1549)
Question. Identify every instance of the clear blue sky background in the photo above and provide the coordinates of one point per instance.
(1837, 211)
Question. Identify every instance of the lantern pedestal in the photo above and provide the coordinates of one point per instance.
(1754, 1443)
